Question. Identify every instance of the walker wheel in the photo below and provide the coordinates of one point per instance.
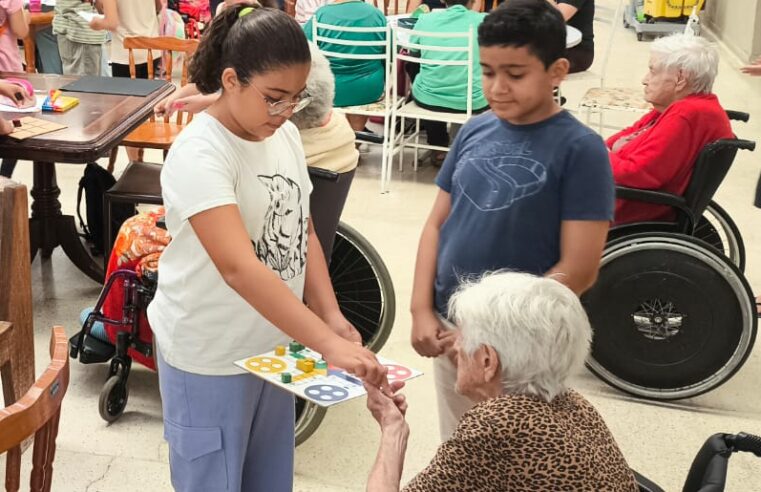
(113, 399)
(640, 36)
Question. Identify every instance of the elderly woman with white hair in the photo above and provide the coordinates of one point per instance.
(328, 144)
(520, 339)
(659, 150)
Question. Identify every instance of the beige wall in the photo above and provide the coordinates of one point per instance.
(737, 23)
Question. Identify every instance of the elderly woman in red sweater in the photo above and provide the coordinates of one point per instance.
(659, 150)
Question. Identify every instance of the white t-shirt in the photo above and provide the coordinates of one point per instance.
(201, 325)
(136, 18)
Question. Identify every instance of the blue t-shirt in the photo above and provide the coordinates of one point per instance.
(511, 186)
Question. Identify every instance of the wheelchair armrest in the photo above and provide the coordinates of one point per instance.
(369, 137)
(650, 196)
(323, 174)
(738, 115)
(657, 198)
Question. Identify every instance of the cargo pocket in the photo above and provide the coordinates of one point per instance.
(196, 458)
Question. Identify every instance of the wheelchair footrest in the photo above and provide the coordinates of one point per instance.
(94, 351)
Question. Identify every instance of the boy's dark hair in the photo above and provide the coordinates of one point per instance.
(535, 24)
(262, 39)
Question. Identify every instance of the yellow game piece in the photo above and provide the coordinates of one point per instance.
(280, 350)
(305, 365)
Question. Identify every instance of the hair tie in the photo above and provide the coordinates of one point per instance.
(245, 12)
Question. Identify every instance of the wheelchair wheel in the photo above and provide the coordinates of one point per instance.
(672, 318)
(365, 295)
(113, 398)
(308, 419)
(363, 286)
(718, 229)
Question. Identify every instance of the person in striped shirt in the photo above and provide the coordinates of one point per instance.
(80, 46)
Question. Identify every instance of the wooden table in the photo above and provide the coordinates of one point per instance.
(95, 127)
(37, 20)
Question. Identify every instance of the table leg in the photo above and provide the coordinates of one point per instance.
(49, 228)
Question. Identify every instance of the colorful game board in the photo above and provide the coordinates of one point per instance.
(302, 372)
(28, 127)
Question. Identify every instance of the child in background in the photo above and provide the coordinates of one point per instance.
(14, 25)
(526, 187)
(243, 261)
(129, 18)
(78, 44)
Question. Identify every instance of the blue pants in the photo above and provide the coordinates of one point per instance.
(227, 433)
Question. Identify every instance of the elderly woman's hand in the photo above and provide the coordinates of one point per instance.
(387, 406)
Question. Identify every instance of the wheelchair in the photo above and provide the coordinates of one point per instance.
(708, 472)
(673, 315)
(360, 279)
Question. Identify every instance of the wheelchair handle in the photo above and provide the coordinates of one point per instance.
(738, 115)
(746, 442)
(745, 144)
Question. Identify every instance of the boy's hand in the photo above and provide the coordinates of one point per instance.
(342, 327)
(426, 331)
(753, 69)
(357, 360)
(447, 338)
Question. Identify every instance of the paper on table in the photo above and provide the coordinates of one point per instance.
(9, 108)
(88, 16)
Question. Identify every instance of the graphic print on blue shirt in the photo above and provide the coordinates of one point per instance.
(511, 187)
(505, 171)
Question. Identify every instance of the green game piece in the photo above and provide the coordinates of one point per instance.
(285, 377)
(321, 364)
(295, 347)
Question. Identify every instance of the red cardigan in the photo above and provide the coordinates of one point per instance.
(662, 156)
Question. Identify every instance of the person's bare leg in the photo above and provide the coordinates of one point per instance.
(357, 121)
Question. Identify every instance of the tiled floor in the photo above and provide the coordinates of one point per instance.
(658, 439)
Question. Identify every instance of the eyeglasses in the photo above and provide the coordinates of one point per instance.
(279, 107)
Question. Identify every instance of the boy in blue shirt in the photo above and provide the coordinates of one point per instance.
(525, 187)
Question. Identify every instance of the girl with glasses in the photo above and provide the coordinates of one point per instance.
(244, 271)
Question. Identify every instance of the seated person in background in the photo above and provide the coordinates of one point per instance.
(659, 150)
(431, 4)
(521, 338)
(305, 9)
(357, 81)
(443, 87)
(579, 14)
(328, 144)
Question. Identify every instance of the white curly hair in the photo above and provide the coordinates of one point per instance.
(321, 87)
(696, 57)
(536, 325)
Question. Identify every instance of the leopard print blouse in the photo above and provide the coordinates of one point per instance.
(520, 443)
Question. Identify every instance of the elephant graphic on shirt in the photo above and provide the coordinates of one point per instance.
(282, 245)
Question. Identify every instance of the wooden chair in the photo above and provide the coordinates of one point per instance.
(36, 413)
(16, 286)
(159, 133)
